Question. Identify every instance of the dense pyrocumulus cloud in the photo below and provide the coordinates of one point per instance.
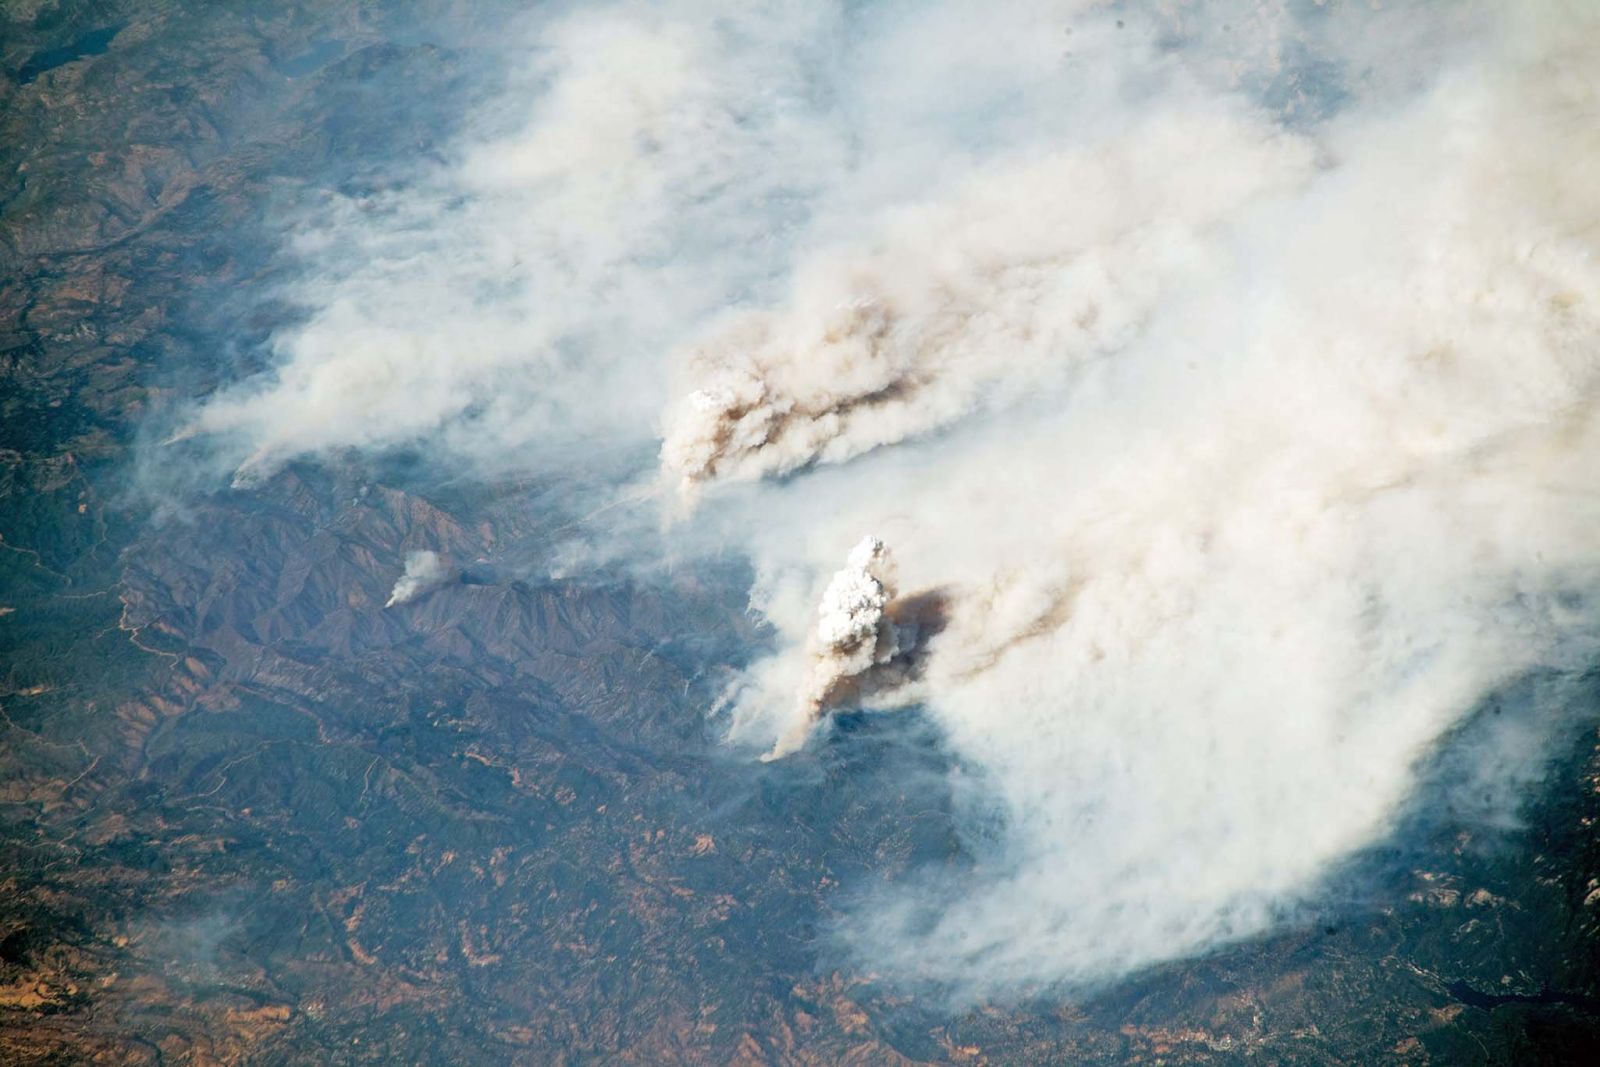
(854, 634)
(1229, 369)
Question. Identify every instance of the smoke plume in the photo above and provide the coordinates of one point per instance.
(425, 572)
(854, 633)
(1211, 604)
(1231, 369)
(1003, 288)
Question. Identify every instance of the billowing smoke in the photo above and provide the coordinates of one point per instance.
(425, 571)
(1001, 289)
(854, 634)
(1232, 370)
(1206, 618)
(576, 228)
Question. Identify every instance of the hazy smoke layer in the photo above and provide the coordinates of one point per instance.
(521, 292)
(425, 571)
(1241, 363)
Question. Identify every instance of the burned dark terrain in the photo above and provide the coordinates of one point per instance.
(247, 814)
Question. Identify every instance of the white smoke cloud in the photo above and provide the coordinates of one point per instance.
(1204, 623)
(425, 572)
(854, 634)
(576, 228)
(1241, 382)
(1051, 261)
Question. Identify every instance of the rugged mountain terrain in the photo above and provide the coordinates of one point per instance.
(247, 814)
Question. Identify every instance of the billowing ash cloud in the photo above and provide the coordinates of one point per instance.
(854, 633)
(425, 572)
(1239, 363)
